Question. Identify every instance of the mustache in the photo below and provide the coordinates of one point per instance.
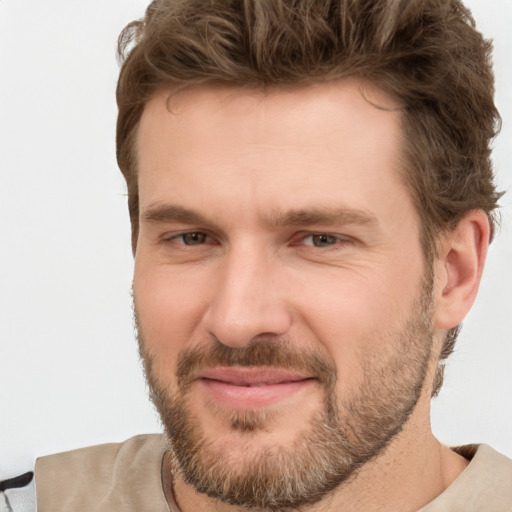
(267, 353)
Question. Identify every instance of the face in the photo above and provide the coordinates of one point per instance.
(282, 298)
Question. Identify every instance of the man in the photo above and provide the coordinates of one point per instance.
(311, 201)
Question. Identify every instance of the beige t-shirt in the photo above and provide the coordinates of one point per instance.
(127, 477)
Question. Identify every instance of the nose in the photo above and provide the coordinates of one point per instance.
(248, 300)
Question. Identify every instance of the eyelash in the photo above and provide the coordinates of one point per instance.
(331, 241)
(174, 238)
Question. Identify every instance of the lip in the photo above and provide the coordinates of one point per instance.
(247, 388)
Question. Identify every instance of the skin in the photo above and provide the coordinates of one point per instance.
(240, 160)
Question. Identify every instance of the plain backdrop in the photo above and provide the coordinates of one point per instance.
(69, 370)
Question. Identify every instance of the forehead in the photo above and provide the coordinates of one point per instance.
(313, 112)
(335, 143)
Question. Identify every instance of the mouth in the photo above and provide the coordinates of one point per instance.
(248, 388)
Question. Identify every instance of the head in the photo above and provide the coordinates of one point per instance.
(427, 55)
(421, 63)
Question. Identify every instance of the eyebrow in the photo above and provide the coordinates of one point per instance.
(171, 213)
(321, 216)
(301, 217)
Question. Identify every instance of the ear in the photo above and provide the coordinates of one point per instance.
(459, 268)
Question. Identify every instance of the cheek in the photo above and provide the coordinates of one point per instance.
(352, 315)
(169, 308)
(345, 324)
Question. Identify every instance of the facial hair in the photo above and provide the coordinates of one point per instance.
(344, 434)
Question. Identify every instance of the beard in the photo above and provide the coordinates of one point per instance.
(339, 438)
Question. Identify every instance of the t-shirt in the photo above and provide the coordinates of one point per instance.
(485, 484)
(127, 477)
(105, 478)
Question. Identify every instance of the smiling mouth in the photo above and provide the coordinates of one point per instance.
(248, 388)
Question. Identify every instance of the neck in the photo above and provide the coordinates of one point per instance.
(413, 470)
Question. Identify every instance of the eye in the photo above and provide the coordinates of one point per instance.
(191, 238)
(321, 240)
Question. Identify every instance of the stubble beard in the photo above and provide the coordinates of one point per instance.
(342, 436)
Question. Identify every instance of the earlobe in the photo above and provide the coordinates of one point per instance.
(459, 268)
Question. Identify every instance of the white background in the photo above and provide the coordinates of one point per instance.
(69, 371)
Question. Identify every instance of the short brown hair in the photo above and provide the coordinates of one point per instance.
(426, 54)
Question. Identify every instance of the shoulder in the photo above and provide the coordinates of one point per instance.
(486, 483)
(97, 477)
(488, 465)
